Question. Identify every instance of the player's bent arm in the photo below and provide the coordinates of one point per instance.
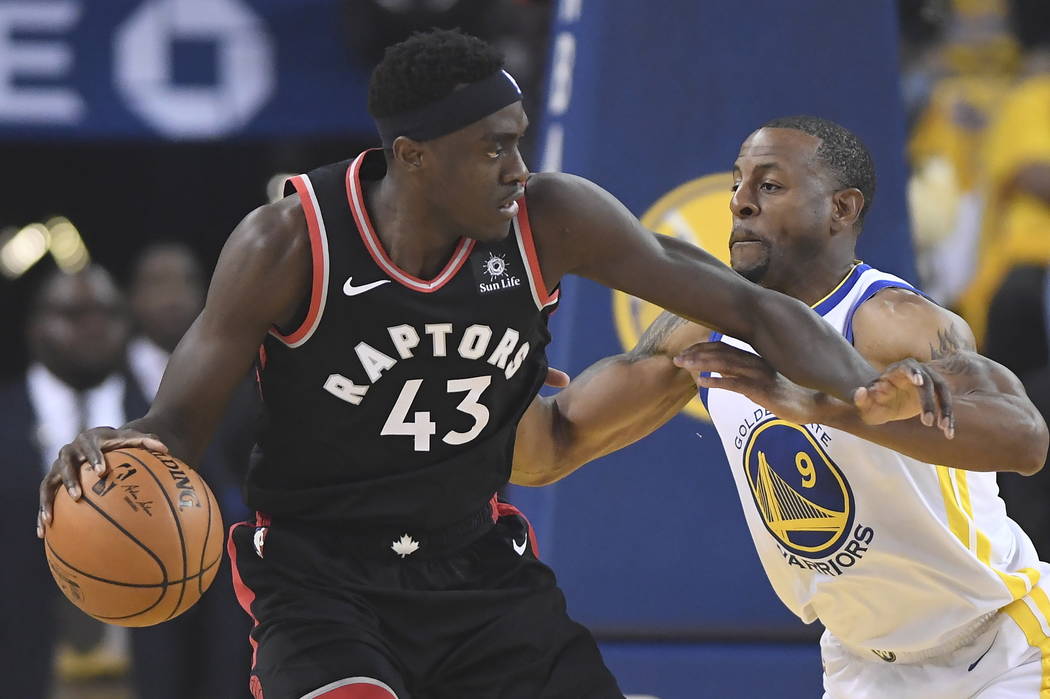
(582, 229)
(262, 277)
(615, 402)
(997, 427)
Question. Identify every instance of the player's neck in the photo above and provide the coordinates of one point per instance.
(414, 238)
(821, 277)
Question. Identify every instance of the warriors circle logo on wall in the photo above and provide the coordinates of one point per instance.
(698, 212)
(803, 498)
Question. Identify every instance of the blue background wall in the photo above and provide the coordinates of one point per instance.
(650, 542)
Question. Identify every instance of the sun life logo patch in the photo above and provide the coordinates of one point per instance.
(493, 272)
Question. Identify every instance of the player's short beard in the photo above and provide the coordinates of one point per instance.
(755, 273)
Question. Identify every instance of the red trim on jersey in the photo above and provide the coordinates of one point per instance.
(355, 198)
(358, 690)
(244, 594)
(505, 509)
(262, 356)
(533, 260)
(317, 289)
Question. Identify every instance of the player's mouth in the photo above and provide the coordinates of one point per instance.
(745, 244)
(509, 207)
(744, 238)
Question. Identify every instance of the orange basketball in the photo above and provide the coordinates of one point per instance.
(141, 545)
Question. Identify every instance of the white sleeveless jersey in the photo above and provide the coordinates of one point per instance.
(887, 551)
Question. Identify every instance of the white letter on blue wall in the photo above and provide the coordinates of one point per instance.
(244, 66)
(24, 59)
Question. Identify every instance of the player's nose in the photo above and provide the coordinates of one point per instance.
(743, 204)
(515, 171)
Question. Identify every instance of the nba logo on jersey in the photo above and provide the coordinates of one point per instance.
(492, 271)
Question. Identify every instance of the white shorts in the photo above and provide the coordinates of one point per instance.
(1008, 659)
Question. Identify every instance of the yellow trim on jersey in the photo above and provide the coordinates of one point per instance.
(955, 490)
(839, 285)
(1030, 625)
(957, 521)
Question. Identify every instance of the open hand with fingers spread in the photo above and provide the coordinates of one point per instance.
(86, 448)
(748, 374)
(905, 389)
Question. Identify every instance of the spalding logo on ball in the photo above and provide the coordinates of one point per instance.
(142, 544)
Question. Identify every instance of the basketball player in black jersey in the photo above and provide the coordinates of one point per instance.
(401, 301)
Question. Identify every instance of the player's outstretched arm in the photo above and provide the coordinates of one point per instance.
(613, 403)
(262, 277)
(997, 428)
(581, 229)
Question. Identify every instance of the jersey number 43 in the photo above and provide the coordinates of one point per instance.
(421, 428)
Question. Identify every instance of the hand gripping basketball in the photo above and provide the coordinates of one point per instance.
(142, 543)
(86, 448)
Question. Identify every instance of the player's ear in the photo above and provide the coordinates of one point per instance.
(408, 152)
(846, 205)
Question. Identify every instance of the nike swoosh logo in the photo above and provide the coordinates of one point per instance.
(974, 663)
(350, 290)
(520, 548)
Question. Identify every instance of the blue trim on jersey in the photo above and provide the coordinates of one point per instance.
(840, 293)
(875, 288)
(715, 337)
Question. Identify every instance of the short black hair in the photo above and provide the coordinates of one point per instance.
(426, 67)
(840, 151)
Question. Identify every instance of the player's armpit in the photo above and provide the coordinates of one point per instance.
(613, 403)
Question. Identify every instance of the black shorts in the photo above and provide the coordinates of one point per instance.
(484, 620)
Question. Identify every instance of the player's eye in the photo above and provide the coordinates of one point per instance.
(495, 153)
(769, 187)
(736, 186)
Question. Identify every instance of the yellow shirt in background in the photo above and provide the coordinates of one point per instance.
(1016, 227)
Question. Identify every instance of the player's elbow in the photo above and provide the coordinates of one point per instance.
(1034, 457)
(532, 478)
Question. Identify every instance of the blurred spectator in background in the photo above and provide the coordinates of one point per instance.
(167, 292)
(77, 333)
(1016, 230)
(202, 653)
(958, 68)
(1012, 285)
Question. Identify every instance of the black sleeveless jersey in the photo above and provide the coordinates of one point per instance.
(397, 399)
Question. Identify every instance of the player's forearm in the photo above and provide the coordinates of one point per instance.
(993, 432)
(615, 402)
(804, 348)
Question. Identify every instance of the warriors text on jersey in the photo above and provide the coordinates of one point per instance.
(889, 552)
(397, 399)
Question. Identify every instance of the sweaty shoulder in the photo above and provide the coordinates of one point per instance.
(267, 258)
(275, 230)
(896, 323)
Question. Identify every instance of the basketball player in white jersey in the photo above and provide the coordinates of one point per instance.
(893, 536)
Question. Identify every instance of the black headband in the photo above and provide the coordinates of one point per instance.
(452, 112)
